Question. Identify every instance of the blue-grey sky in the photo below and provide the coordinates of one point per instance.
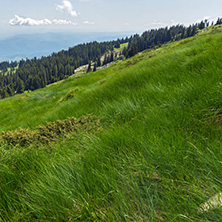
(29, 16)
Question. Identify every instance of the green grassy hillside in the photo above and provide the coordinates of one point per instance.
(122, 46)
(155, 156)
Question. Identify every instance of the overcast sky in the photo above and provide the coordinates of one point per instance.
(29, 16)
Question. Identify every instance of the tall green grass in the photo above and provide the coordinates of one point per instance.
(157, 158)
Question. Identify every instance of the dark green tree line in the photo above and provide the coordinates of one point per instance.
(31, 74)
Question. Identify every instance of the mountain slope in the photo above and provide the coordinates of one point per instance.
(156, 157)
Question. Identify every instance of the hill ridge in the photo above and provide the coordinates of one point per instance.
(37, 73)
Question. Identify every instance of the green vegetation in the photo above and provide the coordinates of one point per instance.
(37, 73)
(122, 46)
(49, 132)
(156, 157)
(10, 70)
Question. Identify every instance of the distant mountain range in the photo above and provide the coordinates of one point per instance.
(43, 44)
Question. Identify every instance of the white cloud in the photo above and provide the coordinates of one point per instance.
(88, 23)
(159, 24)
(62, 22)
(17, 20)
(20, 21)
(155, 22)
(66, 7)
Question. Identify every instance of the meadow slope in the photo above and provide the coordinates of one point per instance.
(156, 156)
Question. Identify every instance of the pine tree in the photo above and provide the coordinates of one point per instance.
(133, 50)
(194, 30)
(89, 67)
(94, 68)
(98, 62)
(189, 30)
(117, 45)
(201, 25)
(20, 86)
(111, 57)
(4, 93)
(219, 21)
(105, 60)
(9, 91)
(124, 51)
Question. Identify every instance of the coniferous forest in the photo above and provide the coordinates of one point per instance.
(32, 74)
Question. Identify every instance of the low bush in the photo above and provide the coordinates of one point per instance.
(52, 130)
